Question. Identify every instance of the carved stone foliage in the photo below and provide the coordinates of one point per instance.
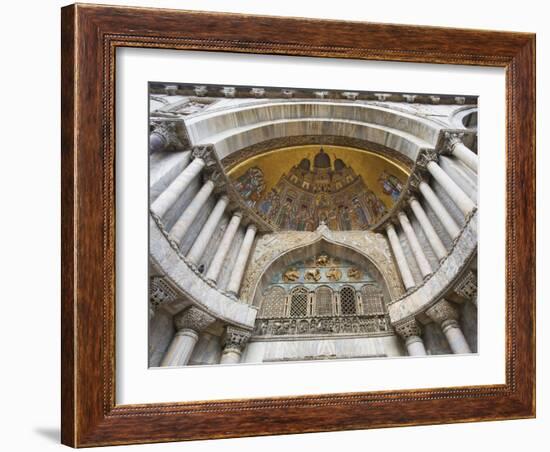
(160, 292)
(408, 329)
(235, 338)
(442, 311)
(193, 319)
(322, 325)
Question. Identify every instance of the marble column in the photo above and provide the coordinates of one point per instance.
(461, 199)
(460, 151)
(189, 215)
(227, 240)
(410, 332)
(242, 258)
(189, 324)
(429, 231)
(168, 197)
(439, 209)
(446, 315)
(201, 242)
(233, 342)
(402, 263)
(420, 257)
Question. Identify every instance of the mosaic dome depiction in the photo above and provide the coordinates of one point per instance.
(298, 188)
(294, 224)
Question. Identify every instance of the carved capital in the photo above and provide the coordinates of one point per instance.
(205, 152)
(235, 339)
(425, 156)
(160, 292)
(193, 319)
(171, 134)
(442, 312)
(408, 329)
(467, 286)
(451, 140)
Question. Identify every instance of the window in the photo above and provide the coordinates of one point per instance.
(273, 303)
(298, 302)
(373, 300)
(347, 301)
(323, 301)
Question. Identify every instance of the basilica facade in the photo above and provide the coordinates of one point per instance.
(292, 224)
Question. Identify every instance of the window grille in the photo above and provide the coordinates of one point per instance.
(298, 302)
(373, 300)
(323, 301)
(273, 304)
(347, 301)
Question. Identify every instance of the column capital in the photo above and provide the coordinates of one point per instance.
(409, 328)
(425, 157)
(193, 319)
(235, 338)
(467, 286)
(442, 312)
(160, 292)
(205, 152)
(171, 133)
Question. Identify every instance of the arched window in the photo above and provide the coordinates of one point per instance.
(298, 302)
(348, 305)
(323, 301)
(273, 303)
(373, 300)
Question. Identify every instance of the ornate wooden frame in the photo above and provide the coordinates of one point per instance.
(90, 36)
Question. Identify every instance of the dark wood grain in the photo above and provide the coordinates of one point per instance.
(90, 36)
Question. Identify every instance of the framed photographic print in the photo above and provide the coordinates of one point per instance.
(281, 225)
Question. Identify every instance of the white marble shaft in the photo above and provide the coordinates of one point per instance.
(441, 212)
(433, 239)
(201, 242)
(242, 258)
(168, 197)
(230, 355)
(462, 152)
(402, 263)
(180, 349)
(189, 323)
(461, 199)
(420, 257)
(223, 248)
(444, 313)
(188, 216)
(415, 346)
(455, 337)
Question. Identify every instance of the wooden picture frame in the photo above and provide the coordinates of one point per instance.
(90, 37)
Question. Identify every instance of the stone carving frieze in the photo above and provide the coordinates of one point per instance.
(322, 325)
